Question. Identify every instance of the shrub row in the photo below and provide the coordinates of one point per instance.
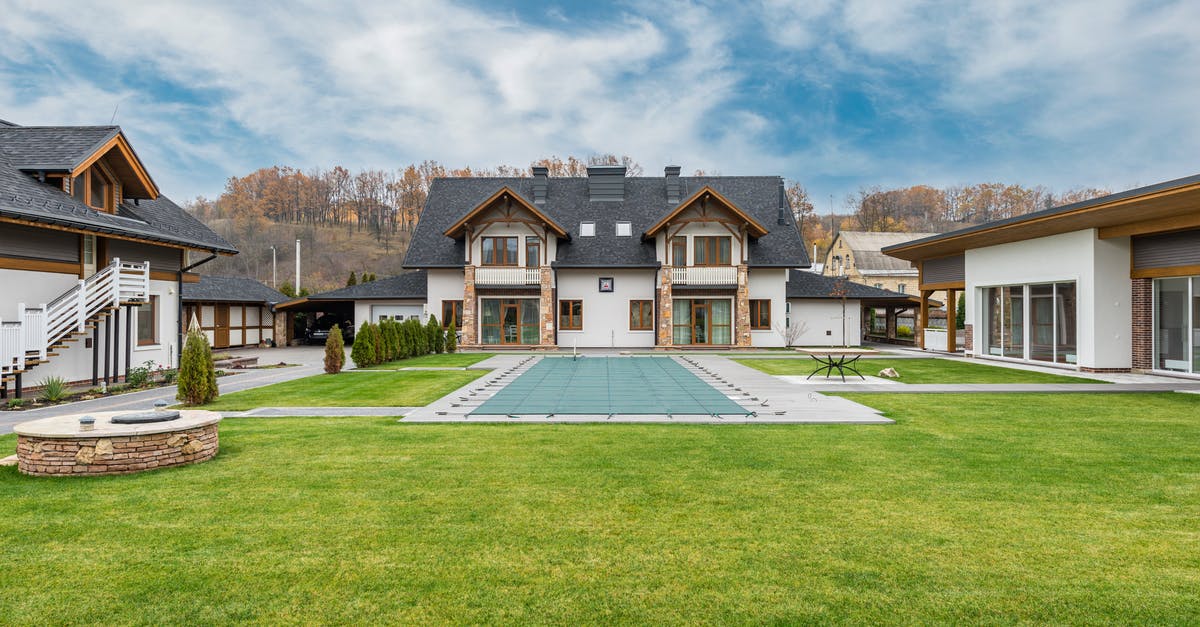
(389, 340)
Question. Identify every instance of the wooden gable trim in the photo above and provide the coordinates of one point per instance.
(121, 145)
(461, 225)
(756, 229)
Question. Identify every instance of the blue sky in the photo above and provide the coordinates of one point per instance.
(836, 95)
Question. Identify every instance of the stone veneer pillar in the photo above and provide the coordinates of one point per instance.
(666, 328)
(742, 302)
(547, 308)
(1142, 334)
(469, 338)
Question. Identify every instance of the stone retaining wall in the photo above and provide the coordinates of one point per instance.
(83, 456)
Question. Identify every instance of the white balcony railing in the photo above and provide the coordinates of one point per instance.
(508, 276)
(704, 275)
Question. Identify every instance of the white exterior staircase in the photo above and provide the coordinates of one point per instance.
(33, 337)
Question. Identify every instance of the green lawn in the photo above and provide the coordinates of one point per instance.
(1065, 509)
(921, 370)
(445, 360)
(351, 389)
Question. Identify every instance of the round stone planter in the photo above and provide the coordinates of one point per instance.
(58, 446)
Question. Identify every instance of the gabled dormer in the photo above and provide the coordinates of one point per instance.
(705, 230)
(94, 164)
(508, 237)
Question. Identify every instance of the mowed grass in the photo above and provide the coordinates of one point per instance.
(971, 509)
(445, 360)
(351, 389)
(920, 370)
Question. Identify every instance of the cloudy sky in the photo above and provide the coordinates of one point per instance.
(834, 94)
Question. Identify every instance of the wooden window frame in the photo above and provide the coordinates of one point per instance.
(85, 196)
(642, 308)
(570, 321)
(533, 244)
(710, 245)
(757, 307)
(457, 306)
(153, 340)
(678, 242)
(500, 258)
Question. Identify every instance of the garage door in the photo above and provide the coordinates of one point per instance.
(395, 312)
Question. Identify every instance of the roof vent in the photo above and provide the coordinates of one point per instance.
(541, 176)
(606, 183)
(674, 185)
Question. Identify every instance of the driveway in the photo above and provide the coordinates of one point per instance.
(309, 360)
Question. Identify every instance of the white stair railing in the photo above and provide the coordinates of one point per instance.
(36, 330)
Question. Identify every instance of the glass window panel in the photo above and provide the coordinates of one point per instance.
(147, 324)
(1065, 312)
(510, 251)
(721, 322)
(99, 190)
(1171, 326)
(533, 252)
(1196, 325)
(995, 314)
(1014, 321)
(491, 311)
(679, 251)
(489, 251)
(682, 321)
(724, 246)
(1041, 322)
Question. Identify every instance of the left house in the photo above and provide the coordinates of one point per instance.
(92, 257)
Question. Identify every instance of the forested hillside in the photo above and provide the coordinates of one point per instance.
(362, 221)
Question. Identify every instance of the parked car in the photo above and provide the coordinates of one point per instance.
(319, 332)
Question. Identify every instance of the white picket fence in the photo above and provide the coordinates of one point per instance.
(36, 329)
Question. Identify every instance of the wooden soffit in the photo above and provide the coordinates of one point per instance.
(1159, 208)
(704, 195)
(504, 195)
(118, 155)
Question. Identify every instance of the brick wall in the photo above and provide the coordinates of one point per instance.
(969, 339)
(79, 456)
(1142, 334)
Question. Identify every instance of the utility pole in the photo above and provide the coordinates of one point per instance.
(297, 267)
(274, 276)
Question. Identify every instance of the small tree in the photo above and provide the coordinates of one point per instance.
(377, 339)
(433, 330)
(352, 281)
(197, 376)
(363, 351)
(451, 335)
(335, 351)
(960, 316)
(420, 339)
(393, 340)
(287, 289)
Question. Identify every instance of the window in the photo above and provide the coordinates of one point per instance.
(900, 288)
(587, 229)
(499, 251)
(679, 251)
(533, 252)
(624, 229)
(452, 310)
(711, 251)
(760, 314)
(95, 188)
(147, 322)
(879, 286)
(570, 315)
(641, 315)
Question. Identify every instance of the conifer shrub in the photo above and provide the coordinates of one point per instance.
(451, 335)
(363, 351)
(420, 340)
(197, 376)
(377, 338)
(433, 331)
(393, 341)
(335, 351)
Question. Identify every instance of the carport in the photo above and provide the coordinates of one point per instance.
(395, 298)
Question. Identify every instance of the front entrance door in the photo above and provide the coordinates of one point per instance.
(221, 324)
(509, 324)
(701, 318)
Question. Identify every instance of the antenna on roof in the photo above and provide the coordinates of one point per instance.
(114, 115)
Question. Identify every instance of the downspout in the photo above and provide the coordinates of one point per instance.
(179, 305)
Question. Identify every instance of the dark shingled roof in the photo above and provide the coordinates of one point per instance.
(803, 284)
(231, 289)
(22, 197)
(567, 202)
(410, 285)
(52, 148)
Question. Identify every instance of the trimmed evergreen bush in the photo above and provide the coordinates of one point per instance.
(335, 351)
(451, 335)
(197, 376)
(393, 341)
(363, 351)
(420, 340)
(433, 331)
(377, 339)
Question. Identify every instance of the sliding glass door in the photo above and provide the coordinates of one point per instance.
(509, 321)
(703, 321)
(1176, 324)
(1050, 334)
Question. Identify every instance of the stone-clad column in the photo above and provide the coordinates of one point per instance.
(741, 321)
(547, 308)
(469, 330)
(666, 328)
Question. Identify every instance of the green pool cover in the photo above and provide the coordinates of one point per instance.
(608, 385)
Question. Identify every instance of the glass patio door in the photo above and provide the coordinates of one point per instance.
(703, 322)
(509, 323)
(1172, 343)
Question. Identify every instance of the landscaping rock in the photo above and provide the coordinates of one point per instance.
(889, 373)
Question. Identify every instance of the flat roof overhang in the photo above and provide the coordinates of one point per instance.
(1164, 207)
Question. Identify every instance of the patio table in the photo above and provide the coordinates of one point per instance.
(840, 359)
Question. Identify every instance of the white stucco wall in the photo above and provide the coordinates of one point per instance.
(771, 284)
(605, 314)
(74, 362)
(442, 284)
(821, 320)
(370, 309)
(1100, 270)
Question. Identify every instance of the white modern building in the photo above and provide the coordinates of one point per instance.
(1109, 284)
(92, 257)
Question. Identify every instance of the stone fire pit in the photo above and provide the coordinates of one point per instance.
(135, 442)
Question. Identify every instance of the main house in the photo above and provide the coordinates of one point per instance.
(609, 260)
(92, 257)
(1108, 284)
